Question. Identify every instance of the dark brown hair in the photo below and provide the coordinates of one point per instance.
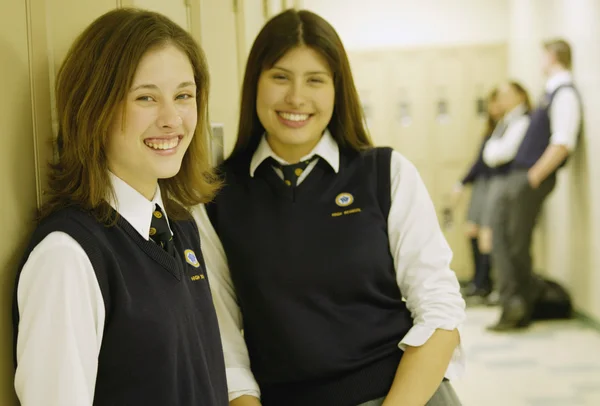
(92, 83)
(523, 93)
(562, 50)
(290, 29)
(491, 121)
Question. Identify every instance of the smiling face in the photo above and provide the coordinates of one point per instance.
(295, 102)
(153, 130)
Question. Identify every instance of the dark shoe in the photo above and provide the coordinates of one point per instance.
(507, 325)
(493, 299)
(515, 315)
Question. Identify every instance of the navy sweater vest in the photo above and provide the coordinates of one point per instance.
(315, 279)
(500, 170)
(537, 137)
(161, 343)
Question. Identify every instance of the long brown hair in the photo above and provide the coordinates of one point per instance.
(523, 93)
(287, 30)
(92, 83)
(491, 121)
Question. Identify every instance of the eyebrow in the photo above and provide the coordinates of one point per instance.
(154, 87)
(316, 72)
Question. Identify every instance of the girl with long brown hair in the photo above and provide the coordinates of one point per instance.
(324, 250)
(112, 303)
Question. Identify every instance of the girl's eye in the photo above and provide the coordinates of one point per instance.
(145, 98)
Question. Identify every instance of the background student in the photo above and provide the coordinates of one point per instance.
(550, 139)
(478, 176)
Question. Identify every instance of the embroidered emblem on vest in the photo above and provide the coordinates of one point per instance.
(191, 259)
(344, 199)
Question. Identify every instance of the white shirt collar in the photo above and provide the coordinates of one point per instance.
(327, 149)
(134, 207)
(558, 79)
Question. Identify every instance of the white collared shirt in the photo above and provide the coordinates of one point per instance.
(421, 257)
(61, 311)
(502, 148)
(565, 111)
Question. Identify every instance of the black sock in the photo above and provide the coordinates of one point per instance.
(482, 278)
(476, 260)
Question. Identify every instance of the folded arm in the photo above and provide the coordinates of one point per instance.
(422, 257)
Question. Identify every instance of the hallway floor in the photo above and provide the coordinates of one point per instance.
(549, 364)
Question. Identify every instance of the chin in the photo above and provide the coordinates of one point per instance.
(167, 173)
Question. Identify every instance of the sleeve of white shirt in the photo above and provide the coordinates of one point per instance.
(240, 380)
(500, 150)
(565, 118)
(422, 258)
(61, 323)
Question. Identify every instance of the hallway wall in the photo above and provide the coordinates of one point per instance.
(368, 25)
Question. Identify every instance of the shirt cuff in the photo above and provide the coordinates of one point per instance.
(419, 334)
(563, 140)
(240, 382)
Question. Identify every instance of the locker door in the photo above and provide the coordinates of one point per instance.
(369, 72)
(250, 18)
(449, 129)
(274, 7)
(408, 96)
(64, 27)
(176, 10)
(218, 38)
(17, 169)
(480, 68)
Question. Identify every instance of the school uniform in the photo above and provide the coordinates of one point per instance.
(477, 176)
(498, 154)
(107, 316)
(556, 121)
(328, 279)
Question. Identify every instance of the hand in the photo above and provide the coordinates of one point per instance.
(533, 179)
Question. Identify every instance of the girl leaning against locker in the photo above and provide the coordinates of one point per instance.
(478, 176)
(317, 237)
(112, 303)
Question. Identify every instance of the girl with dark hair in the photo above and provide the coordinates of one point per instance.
(330, 272)
(478, 177)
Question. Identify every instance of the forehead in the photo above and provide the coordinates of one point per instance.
(506, 88)
(164, 64)
(303, 58)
